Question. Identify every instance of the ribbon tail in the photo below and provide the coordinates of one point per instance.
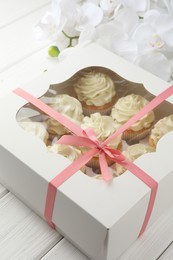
(60, 179)
(150, 182)
(104, 167)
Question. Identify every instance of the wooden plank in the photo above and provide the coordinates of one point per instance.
(149, 246)
(14, 10)
(18, 40)
(154, 241)
(168, 254)
(3, 191)
(64, 251)
(23, 235)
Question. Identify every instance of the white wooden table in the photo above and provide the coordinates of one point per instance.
(24, 235)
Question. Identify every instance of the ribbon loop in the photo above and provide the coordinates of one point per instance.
(90, 134)
(76, 141)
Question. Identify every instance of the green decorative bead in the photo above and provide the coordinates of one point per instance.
(53, 51)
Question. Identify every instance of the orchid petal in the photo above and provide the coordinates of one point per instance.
(104, 34)
(125, 47)
(150, 16)
(163, 23)
(168, 37)
(157, 64)
(137, 5)
(87, 35)
(93, 13)
(56, 11)
(46, 29)
(108, 6)
(142, 36)
(128, 18)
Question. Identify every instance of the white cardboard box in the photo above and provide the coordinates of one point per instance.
(101, 219)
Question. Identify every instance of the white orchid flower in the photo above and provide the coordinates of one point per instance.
(46, 29)
(138, 30)
(65, 13)
(155, 33)
(89, 14)
(115, 35)
(155, 43)
(76, 14)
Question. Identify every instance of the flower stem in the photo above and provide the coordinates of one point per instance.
(71, 38)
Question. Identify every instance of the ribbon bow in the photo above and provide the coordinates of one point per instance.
(89, 139)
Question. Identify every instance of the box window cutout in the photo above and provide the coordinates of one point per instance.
(98, 98)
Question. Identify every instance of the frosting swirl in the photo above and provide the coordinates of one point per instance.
(36, 128)
(68, 151)
(128, 106)
(95, 88)
(132, 153)
(162, 127)
(67, 106)
(103, 127)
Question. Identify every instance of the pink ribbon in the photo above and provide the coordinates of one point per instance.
(88, 138)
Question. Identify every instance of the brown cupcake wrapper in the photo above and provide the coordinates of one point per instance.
(94, 162)
(103, 110)
(134, 137)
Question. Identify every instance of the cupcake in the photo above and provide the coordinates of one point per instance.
(162, 127)
(132, 153)
(96, 91)
(103, 126)
(68, 106)
(68, 151)
(36, 128)
(125, 108)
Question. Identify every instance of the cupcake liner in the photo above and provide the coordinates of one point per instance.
(132, 137)
(88, 112)
(103, 110)
(94, 162)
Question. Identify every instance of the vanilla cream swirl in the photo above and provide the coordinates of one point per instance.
(95, 88)
(103, 126)
(67, 106)
(132, 153)
(68, 151)
(162, 127)
(128, 106)
(36, 128)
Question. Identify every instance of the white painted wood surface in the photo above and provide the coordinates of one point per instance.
(168, 254)
(17, 40)
(63, 251)
(24, 235)
(12, 11)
